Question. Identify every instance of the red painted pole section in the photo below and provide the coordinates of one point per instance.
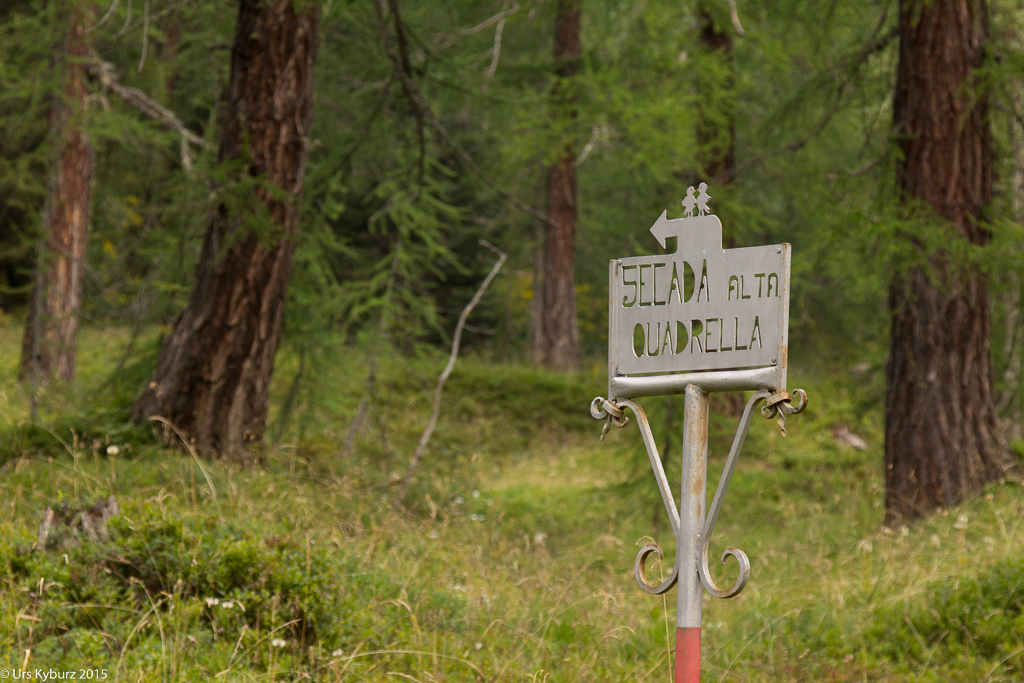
(688, 655)
(693, 494)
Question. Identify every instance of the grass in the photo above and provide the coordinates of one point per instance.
(513, 559)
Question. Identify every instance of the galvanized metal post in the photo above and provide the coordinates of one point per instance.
(692, 499)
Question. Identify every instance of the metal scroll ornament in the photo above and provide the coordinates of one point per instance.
(777, 405)
(601, 409)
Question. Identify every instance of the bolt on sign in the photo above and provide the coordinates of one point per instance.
(697, 320)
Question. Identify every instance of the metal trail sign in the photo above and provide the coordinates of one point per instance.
(698, 320)
(700, 308)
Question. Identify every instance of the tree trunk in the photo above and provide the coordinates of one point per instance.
(50, 341)
(941, 438)
(537, 302)
(716, 141)
(561, 347)
(214, 371)
(716, 128)
(1008, 400)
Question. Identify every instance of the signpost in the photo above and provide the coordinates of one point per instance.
(698, 320)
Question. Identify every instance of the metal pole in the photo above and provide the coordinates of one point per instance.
(692, 497)
(676, 365)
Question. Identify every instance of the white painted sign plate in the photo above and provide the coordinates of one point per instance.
(701, 308)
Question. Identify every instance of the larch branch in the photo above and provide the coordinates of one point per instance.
(877, 45)
(418, 102)
(105, 73)
(495, 53)
(499, 17)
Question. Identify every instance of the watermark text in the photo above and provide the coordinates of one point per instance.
(53, 674)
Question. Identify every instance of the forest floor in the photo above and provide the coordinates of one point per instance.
(512, 558)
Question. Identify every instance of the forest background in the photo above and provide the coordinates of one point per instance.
(786, 108)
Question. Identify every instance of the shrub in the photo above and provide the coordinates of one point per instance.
(229, 578)
(962, 617)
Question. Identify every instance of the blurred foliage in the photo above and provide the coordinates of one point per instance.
(223, 580)
(513, 553)
(960, 618)
(388, 249)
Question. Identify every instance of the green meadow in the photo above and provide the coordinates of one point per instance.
(512, 557)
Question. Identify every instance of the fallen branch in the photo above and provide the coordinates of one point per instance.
(853, 173)
(495, 53)
(110, 13)
(595, 133)
(735, 16)
(497, 18)
(425, 437)
(145, 34)
(105, 73)
(364, 405)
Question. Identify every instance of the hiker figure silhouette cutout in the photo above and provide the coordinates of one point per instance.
(702, 200)
(689, 203)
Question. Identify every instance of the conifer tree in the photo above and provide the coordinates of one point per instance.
(716, 129)
(214, 371)
(941, 438)
(561, 341)
(50, 341)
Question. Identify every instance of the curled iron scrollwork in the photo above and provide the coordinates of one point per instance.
(741, 580)
(716, 507)
(777, 404)
(603, 409)
(640, 571)
(780, 404)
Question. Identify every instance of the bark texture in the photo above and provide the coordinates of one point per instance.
(50, 342)
(941, 438)
(215, 369)
(560, 332)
